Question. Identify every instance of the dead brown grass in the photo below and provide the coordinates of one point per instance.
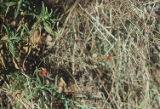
(89, 32)
(118, 28)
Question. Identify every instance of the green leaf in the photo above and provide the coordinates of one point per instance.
(6, 30)
(33, 94)
(8, 4)
(18, 8)
(48, 28)
(11, 48)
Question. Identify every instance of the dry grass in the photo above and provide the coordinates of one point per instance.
(88, 32)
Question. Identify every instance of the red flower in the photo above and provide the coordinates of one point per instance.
(44, 73)
(108, 57)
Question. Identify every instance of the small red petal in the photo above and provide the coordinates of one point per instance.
(47, 72)
(41, 71)
(44, 73)
(108, 57)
